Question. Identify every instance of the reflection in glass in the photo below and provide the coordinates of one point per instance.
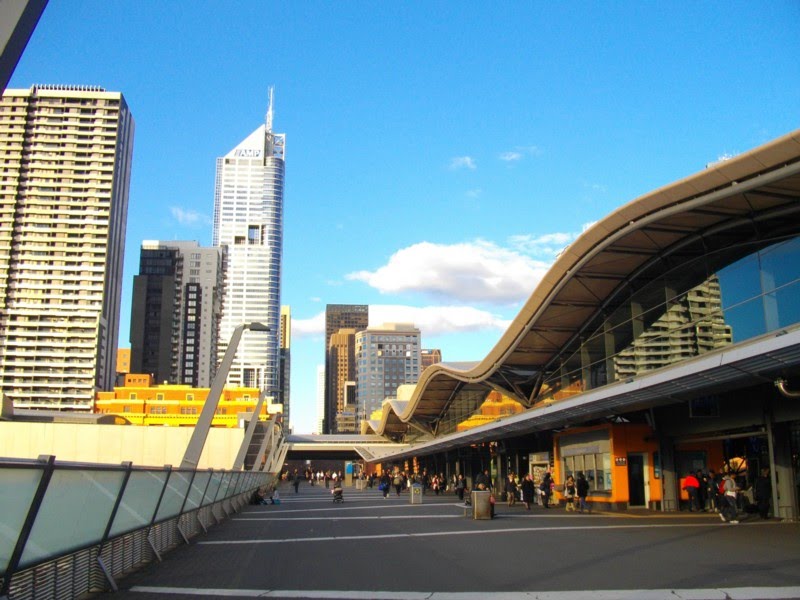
(16, 495)
(139, 501)
(177, 488)
(74, 513)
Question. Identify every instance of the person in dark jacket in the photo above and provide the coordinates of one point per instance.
(762, 493)
(511, 490)
(528, 491)
(482, 481)
(582, 490)
(547, 489)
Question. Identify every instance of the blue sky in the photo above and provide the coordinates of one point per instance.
(438, 154)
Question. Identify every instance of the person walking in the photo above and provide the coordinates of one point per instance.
(511, 490)
(729, 511)
(528, 491)
(296, 481)
(461, 486)
(385, 484)
(692, 486)
(569, 493)
(582, 490)
(547, 489)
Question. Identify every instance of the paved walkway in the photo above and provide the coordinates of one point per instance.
(370, 547)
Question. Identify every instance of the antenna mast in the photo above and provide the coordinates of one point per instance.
(269, 110)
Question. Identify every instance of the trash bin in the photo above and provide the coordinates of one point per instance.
(360, 484)
(481, 506)
(416, 493)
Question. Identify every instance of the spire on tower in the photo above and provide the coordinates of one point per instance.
(269, 109)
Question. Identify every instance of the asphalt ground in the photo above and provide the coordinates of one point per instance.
(370, 547)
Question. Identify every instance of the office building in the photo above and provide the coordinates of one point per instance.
(66, 154)
(387, 357)
(175, 312)
(341, 363)
(283, 395)
(429, 357)
(320, 420)
(248, 221)
(339, 316)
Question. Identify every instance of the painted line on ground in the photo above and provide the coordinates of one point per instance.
(504, 531)
(744, 593)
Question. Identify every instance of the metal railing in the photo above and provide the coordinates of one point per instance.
(68, 529)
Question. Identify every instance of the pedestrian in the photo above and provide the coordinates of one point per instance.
(582, 490)
(296, 481)
(398, 482)
(385, 484)
(511, 490)
(569, 493)
(692, 485)
(547, 489)
(528, 491)
(482, 481)
(762, 493)
(729, 489)
(461, 486)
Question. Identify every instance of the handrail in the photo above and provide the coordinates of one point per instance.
(51, 509)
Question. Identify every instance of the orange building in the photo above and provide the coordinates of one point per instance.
(142, 403)
(494, 407)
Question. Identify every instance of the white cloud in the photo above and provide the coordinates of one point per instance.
(511, 156)
(470, 272)
(430, 320)
(438, 320)
(309, 327)
(475, 193)
(463, 162)
(189, 217)
(550, 244)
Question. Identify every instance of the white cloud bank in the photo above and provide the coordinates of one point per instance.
(470, 272)
(189, 217)
(430, 320)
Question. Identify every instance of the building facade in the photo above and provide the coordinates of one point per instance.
(342, 369)
(175, 312)
(66, 154)
(430, 356)
(248, 221)
(285, 373)
(387, 357)
(339, 316)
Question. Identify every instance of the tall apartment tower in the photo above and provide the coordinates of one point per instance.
(430, 356)
(387, 357)
(175, 312)
(66, 155)
(248, 221)
(341, 362)
(285, 372)
(339, 316)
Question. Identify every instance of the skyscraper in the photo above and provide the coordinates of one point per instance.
(387, 357)
(63, 211)
(175, 312)
(341, 363)
(248, 220)
(285, 372)
(339, 316)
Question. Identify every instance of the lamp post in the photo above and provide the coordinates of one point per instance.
(194, 449)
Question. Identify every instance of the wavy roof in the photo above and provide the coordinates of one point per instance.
(730, 201)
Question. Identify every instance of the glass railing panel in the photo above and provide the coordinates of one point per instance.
(74, 513)
(174, 495)
(197, 491)
(16, 494)
(139, 501)
(213, 488)
(226, 482)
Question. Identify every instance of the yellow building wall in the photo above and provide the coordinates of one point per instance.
(114, 444)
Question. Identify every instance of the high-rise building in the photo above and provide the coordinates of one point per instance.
(339, 316)
(248, 221)
(175, 312)
(66, 155)
(320, 421)
(387, 357)
(341, 363)
(430, 356)
(285, 372)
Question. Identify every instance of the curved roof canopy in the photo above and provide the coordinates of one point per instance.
(737, 203)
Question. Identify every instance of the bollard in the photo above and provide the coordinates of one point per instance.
(416, 493)
(481, 507)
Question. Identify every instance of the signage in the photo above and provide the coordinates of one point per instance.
(620, 461)
(247, 153)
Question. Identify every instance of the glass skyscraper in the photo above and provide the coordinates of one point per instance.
(248, 220)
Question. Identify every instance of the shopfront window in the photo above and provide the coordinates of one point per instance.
(595, 467)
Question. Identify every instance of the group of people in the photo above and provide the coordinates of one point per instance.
(721, 493)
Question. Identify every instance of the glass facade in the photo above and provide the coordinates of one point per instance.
(695, 308)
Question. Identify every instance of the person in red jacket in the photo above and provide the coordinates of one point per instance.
(692, 486)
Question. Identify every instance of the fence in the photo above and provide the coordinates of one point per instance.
(68, 529)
